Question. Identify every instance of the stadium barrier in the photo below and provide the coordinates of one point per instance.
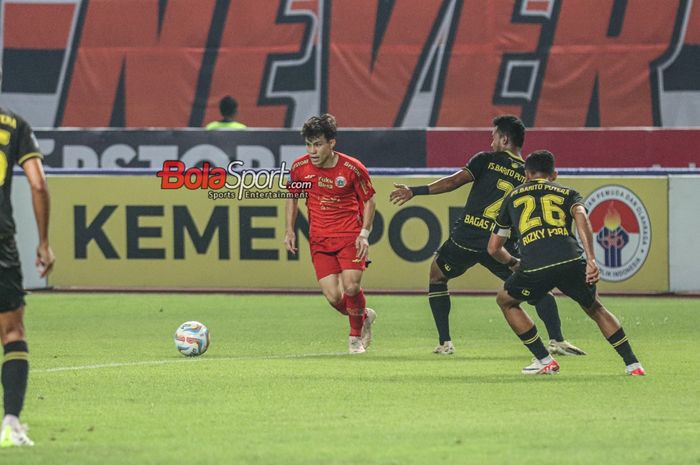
(126, 232)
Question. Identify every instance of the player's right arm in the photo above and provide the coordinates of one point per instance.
(402, 193)
(585, 234)
(41, 204)
(291, 212)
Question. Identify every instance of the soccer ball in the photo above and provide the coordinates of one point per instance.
(192, 338)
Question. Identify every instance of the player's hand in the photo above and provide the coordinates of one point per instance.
(290, 241)
(400, 195)
(362, 246)
(515, 266)
(44, 259)
(592, 272)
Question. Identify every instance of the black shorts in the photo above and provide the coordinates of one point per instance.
(454, 259)
(11, 289)
(569, 278)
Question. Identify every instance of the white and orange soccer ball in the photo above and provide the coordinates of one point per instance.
(192, 338)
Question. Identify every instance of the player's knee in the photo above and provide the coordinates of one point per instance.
(11, 332)
(436, 274)
(352, 289)
(334, 297)
(504, 300)
(595, 309)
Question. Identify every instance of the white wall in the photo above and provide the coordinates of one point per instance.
(27, 235)
(684, 232)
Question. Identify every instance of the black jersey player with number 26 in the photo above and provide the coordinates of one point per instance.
(543, 214)
(493, 174)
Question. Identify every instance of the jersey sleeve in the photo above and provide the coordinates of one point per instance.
(573, 199)
(477, 164)
(27, 145)
(363, 184)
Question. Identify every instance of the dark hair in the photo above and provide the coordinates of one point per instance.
(512, 127)
(228, 106)
(316, 126)
(540, 161)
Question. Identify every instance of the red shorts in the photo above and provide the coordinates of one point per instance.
(331, 255)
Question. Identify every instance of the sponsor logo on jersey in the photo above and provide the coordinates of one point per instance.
(621, 231)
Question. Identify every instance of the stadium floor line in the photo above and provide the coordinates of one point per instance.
(182, 360)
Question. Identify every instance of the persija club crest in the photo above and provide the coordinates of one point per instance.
(621, 231)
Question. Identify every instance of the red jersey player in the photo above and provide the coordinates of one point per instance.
(341, 210)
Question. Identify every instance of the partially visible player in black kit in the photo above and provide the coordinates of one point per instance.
(543, 214)
(18, 146)
(494, 175)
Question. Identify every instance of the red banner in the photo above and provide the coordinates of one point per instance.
(373, 63)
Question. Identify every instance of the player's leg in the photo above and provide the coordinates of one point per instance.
(355, 297)
(517, 289)
(546, 308)
(440, 306)
(332, 290)
(449, 262)
(549, 314)
(612, 330)
(327, 271)
(15, 367)
(332, 287)
(361, 318)
(573, 283)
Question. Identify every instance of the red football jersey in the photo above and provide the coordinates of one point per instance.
(337, 195)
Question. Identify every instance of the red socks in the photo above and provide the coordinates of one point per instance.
(356, 312)
(342, 306)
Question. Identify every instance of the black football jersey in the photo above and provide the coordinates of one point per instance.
(17, 145)
(495, 175)
(539, 214)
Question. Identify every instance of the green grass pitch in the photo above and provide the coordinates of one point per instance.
(276, 386)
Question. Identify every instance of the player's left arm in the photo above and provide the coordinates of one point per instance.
(362, 241)
(41, 204)
(585, 234)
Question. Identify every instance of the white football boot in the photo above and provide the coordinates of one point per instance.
(563, 348)
(539, 368)
(367, 327)
(355, 345)
(635, 369)
(446, 348)
(14, 433)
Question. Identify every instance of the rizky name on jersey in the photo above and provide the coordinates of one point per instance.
(545, 232)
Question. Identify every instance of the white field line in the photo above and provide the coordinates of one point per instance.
(181, 360)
